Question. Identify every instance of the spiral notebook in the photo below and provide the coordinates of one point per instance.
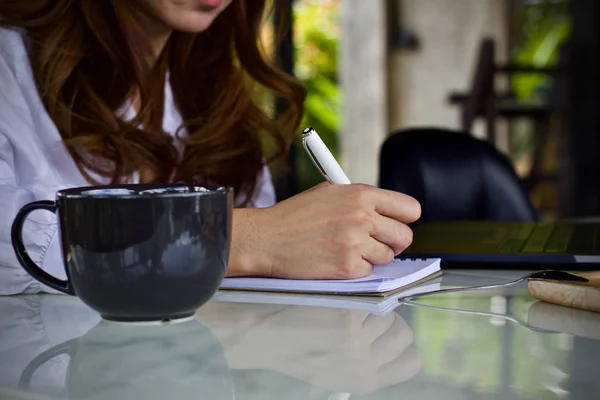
(400, 274)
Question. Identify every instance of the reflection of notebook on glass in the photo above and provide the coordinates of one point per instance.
(385, 279)
(373, 305)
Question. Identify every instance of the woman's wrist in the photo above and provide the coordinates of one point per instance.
(247, 256)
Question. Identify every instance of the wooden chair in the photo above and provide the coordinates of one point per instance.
(483, 101)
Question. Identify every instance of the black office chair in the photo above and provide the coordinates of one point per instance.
(455, 176)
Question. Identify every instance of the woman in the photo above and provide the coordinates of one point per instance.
(101, 92)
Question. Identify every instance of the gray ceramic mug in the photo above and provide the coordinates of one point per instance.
(138, 253)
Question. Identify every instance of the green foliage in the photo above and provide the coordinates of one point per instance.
(316, 37)
(543, 26)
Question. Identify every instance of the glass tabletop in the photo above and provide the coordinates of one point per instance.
(496, 344)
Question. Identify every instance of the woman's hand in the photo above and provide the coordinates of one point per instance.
(327, 232)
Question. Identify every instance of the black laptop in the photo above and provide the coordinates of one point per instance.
(520, 244)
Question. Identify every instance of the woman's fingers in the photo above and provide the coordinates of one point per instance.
(392, 233)
(378, 253)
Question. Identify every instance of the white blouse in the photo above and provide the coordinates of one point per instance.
(34, 164)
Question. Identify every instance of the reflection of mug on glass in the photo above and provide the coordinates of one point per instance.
(138, 252)
(151, 362)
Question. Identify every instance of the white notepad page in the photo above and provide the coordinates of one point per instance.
(399, 273)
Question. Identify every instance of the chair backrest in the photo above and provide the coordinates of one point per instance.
(482, 86)
(454, 176)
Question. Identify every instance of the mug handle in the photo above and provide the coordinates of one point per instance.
(38, 361)
(26, 262)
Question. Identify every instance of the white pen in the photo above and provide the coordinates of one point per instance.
(331, 170)
(322, 157)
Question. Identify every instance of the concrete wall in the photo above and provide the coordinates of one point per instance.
(385, 90)
(449, 32)
(363, 76)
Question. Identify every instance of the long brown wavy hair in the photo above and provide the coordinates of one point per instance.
(89, 57)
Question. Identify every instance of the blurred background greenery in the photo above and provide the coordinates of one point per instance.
(540, 27)
(316, 39)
